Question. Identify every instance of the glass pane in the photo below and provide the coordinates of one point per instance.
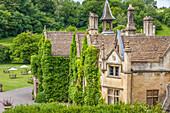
(149, 93)
(149, 101)
(110, 100)
(117, 71)
(116, 92)
(111, 70)
(155, 99)
(155, 93)
(110, 92)
(116, 99)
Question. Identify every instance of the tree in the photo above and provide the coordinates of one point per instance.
(4, 54)
(24, 46)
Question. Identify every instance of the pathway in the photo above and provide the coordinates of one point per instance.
(20, 96)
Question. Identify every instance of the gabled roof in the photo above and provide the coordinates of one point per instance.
(107, 15)
(147, 49)
(60, 42)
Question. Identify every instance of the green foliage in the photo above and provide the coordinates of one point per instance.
(24, 46)
(116, 10)
(118, 27)
(18, 16)
(59, 108)
(40, 97)
(92, 74)
(72, 66)
(4, 54)
(70, 28)
(157, 25)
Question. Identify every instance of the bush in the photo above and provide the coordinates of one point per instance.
(157, 25)
(59, 108)
(118, 27)
(71, 28)
(40, 97)
(4, 54)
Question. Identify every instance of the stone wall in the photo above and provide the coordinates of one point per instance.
(143, 81)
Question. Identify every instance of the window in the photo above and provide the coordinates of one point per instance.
(111, 68)
(113, 97)
(152, 97)
(113, 71)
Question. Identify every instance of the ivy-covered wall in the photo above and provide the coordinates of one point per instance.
(52, 72)
(62, 79)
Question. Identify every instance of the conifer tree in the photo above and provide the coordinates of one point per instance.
(39, 57)
(73, 75)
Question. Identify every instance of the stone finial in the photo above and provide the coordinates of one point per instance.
(127, 47)
(130, 5)
(95, 42)
(127, 44)
(103, 46)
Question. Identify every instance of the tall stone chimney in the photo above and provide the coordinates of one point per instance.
(130, 28)
(148, 27)
(93, 23)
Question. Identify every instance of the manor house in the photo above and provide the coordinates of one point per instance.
(134, 66)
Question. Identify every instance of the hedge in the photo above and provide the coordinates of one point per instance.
(112, 108)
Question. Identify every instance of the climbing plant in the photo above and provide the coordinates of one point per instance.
(91, 71)
(73, 68)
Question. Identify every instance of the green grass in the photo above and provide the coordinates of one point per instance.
(19, 82)
(6, 41)
(164, 32)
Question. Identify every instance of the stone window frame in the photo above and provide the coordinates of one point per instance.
(152, 96)
(113, 76)
(113, 95)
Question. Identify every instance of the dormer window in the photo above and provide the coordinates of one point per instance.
(114, 71)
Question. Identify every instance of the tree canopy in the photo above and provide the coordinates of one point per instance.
(17, 16)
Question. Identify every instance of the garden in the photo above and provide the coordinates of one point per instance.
(20, 81)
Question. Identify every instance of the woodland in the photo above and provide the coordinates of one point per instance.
(17, 16)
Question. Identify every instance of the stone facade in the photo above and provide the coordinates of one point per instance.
(133, 66)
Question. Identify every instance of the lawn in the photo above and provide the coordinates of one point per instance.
(164, 32)
(6, 41)
(19, 82)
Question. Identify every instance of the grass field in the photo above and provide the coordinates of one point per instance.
(6, 41)
(19, 82)
(164, 32)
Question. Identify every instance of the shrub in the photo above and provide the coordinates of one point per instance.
(59, 108)
(70, 28)
(118, 27)
(40, 97)
(157, 25)
(4, 54)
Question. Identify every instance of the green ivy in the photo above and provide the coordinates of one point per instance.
(92, 74)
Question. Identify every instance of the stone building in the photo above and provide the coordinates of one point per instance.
(133, 66)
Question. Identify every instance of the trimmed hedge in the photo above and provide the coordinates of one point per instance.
(59, 108)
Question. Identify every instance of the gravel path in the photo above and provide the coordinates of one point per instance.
(20, 96)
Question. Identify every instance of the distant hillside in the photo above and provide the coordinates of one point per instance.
(164, 32)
